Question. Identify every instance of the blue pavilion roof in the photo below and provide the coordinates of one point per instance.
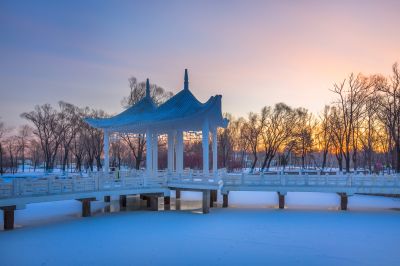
(181, 108)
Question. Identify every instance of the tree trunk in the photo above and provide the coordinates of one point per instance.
(98, 163)
(347, 161)
(137, 162)
(264, 163)
(397, 157)
(90, 162)
(65, 159)
(269, 162)
(324, 155)
(354, 157)
(78, 163)
(254, 162)
(23, 160)
(340, 163)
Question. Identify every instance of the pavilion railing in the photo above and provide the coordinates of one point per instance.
(195, 177)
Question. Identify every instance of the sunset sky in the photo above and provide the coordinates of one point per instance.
(254, 53)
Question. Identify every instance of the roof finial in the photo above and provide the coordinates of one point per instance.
(186, 86)
(147, 88)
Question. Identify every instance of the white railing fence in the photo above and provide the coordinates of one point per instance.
(337, 180)
(136, 179)
(195, 177)
(96, 181)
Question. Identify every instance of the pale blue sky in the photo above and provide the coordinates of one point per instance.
(254, 53)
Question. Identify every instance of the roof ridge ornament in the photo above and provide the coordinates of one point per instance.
(147, 88)
(186, 84)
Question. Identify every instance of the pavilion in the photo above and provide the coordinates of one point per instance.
(182, 112)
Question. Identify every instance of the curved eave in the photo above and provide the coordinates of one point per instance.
(172, 118)
(144, 107)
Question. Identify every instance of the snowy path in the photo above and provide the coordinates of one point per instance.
(234, 236)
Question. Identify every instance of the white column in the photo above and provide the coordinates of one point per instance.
(106, 139)
(205, 143)
(171, 140)
(155, 153)
(215, 150)
(179, 151)
(149, 163)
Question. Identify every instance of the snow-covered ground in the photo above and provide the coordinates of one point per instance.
(309, 232)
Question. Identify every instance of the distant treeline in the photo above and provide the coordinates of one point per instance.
(360, 129)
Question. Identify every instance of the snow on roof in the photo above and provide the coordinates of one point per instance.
(177, 109)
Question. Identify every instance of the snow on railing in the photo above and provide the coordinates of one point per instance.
(195, 177)
(97, 181)
(314, 179)
(6, 189)
(136, 179)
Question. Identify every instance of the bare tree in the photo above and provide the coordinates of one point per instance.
(3, 131)
(78, 149)
(12, 151)
(24, 133)
(137, 142)
(276, 128)
(287, 150)
(69, 118)
(117, 150)
(35, 153)
(303, 134)
(93, 140)
(239, 142)
(369, 130)
(352, 94)
(389, 106)
(324, 135)
(337, 135)
(251, 131)
(48, 129)
(225, 140)
(138, 91)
